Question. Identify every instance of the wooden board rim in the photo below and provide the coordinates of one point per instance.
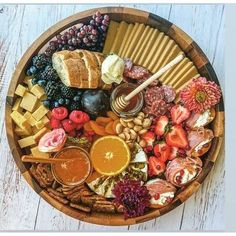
(123, 13)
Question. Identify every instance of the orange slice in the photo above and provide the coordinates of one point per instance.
(110, 155)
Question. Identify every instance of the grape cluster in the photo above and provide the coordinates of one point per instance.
(88, 36)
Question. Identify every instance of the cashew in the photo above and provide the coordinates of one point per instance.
(123, 122)
(142, 131)
(131, 145)
(126, 120)
(146, 123)
(130, 124)
(141, 114)
(137, 128)
(133, 135)
(122, 136)
(127, 136)
(137, 121)
(142, 143)
(126, 129)
(119, 128)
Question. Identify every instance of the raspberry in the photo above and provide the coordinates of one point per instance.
(79, 117)
(60, 113)
(68, 125)
(54, 123)
(79, 126)
(72, 133)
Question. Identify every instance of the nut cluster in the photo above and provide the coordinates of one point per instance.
(131, 129)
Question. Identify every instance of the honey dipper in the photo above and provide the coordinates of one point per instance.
(121, 102)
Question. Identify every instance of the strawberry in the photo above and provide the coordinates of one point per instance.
(155, 166)
(54, 123)
(162, 151)
(173, 153)
(177, 137)
(79, 117)
(149, 137)
(68, 125)
(59, 113)
(179, 114)
(161, 124)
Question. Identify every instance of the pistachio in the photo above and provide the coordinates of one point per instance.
(122, 136)
(137, 121)
(142, 143)
(119, 128)
(142, 131)
(123, 122)
(130, 124)
(141, 114)
(137, 128)
(127, 136)
(140, 118)
(146, 123)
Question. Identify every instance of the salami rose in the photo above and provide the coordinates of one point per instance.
(182, 171)
(52, 141)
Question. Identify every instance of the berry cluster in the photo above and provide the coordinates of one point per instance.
(72, 122)
(88, 36)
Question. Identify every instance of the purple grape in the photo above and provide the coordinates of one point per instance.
(98, 20)
(71, 32)
(106, 17)
(85, 40)
(98, 14)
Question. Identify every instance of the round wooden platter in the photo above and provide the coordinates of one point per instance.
(191, 50)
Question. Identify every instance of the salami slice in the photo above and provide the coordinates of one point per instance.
(153, 94)
(136, 72)
(169, 93)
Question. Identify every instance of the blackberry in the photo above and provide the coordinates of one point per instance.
(75, 106)
(40, 61)
(49, 74)
(67, 92)
(52, 89)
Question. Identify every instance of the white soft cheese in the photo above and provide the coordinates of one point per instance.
(200, 145)
(162, 199)
(187, 176)
(203, 119)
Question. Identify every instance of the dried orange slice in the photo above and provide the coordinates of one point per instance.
(110, 155)
(109, 128)
(98, 129)
(103, 120)
(112, 115)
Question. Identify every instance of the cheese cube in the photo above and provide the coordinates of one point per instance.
(35, 130)
(26, 79)
(32, 121)
(20, 120)
(25, 142)
(40, 133)
(37, 91)
(29, 101)
(39, 124)
(29, 83)
(16, 106)
(20, 90)
(45, 120)
(22, 132)
(40, 113)
(36, 153)
(44, 97)
(27, 115)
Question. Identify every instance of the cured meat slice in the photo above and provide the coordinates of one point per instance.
(169, 93)
(161, 191)
(52, 141)
(182, 171)
(153, 94)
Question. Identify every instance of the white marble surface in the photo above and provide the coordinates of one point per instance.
(20, 207)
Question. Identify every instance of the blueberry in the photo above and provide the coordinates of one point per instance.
(61, 101)
(47, 103)
(67, 101)
(56, 104)
(76, 98)
(79, 92)
(33, 69)
(28, 72)
(34, 81)
(42, 82)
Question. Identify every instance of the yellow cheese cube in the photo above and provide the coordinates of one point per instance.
(25, 142)
(22, 132)
(29, 83)
(20, 120)
(40, 134)
(32, 121)
(39, 124)
(44, 97)
(45, 120)
(29, 102)
(27, 115)
(37, 91)
(35, 130)
(16, 106)
(26, 79)
(40, 113)
(20, 90)
(36, 153)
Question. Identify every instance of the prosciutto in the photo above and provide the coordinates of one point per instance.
(178, 168)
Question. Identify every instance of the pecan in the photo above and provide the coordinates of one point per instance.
(55, 192)
(81, 207)
(90, 200)
(68, 191)
(59, 199)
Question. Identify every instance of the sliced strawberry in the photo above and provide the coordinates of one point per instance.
(173, 153)
(161, 124)
(177, 137)
(155, 166)
(162, 151)
(149, 137)
(179, 114)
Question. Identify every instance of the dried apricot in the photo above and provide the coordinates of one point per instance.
(103, 120)
(87, 127)
(112, 115)
(115, 124)
(109, 128)
(98, 129)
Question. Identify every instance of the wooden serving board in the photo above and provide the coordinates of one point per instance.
(183, 41)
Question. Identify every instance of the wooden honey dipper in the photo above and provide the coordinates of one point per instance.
(122, 101)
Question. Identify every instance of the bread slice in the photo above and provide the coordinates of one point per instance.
(79, 68)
